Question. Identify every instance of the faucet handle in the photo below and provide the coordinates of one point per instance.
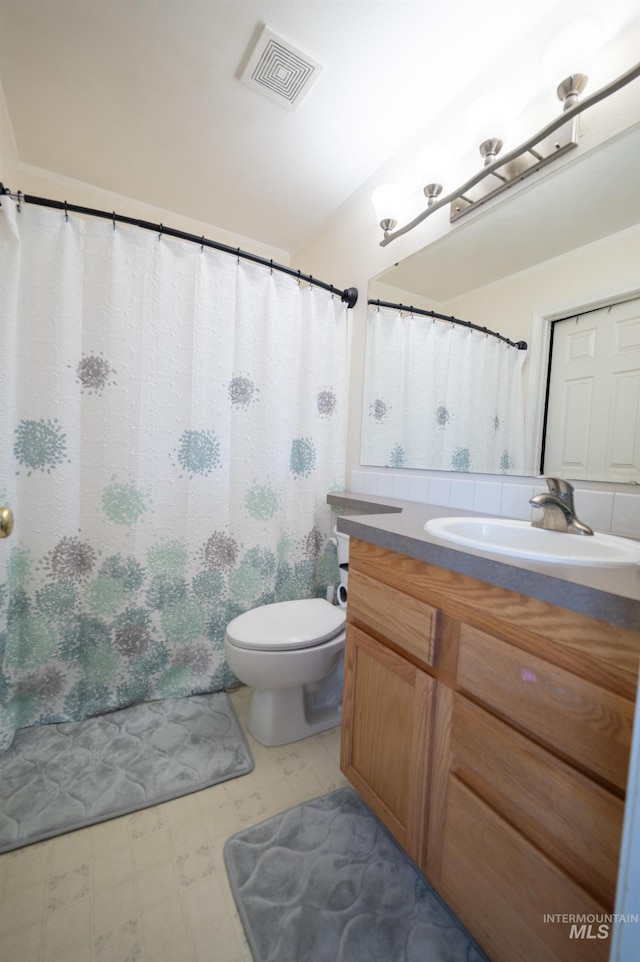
(560, 487)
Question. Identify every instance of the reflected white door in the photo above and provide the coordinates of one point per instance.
(593, 421)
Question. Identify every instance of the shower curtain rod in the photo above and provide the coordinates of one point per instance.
(349, 296)
(521, 345)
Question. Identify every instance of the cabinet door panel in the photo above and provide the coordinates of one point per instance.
(577, 823)
(586, 723)
(501, 888)
(386, 734)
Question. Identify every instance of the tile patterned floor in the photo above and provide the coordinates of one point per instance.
(152, 886)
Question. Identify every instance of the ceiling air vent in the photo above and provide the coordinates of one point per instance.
(280, 71)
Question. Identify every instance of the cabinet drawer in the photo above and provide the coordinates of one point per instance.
(585, 723)
(574, 821)
(406, 621)
(501, 888)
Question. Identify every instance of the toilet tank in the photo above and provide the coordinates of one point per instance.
(342, 543)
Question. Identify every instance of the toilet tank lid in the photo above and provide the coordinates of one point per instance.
(287, 625)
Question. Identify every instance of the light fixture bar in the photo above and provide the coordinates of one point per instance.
(515, 166)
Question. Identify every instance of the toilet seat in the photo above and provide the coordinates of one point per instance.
(287, 625)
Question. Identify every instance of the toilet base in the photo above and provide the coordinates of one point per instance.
(282, 715)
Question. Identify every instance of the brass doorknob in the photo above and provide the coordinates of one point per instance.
(6, 522)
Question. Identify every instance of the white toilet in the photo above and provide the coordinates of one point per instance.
(291, 653)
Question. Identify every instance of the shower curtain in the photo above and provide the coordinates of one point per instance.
(441, 396)
(171, 420)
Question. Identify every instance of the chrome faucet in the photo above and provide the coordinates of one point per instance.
(558, 511)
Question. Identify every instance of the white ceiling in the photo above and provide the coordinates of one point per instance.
(143, 97)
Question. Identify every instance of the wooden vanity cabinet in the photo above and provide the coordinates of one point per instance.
(491, 733)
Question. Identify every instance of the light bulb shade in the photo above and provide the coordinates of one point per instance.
(491, 113)
(387, 202)
(571, 51)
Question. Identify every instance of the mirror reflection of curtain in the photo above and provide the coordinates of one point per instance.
(441, 396)
(171, 421)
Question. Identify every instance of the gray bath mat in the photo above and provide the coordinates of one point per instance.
(57, 778)
(325, 882)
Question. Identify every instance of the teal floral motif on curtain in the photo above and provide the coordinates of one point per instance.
(173, 424)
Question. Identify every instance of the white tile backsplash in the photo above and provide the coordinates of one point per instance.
(419, 490)
(461, 495)
(487, 496)
(440, 491)
(614, 511)
(402, 487)
(384, 488)
(626, 515)
(595, 508)
(515, 501)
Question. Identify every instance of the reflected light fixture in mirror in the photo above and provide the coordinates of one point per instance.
(500, 173)
(386, 202)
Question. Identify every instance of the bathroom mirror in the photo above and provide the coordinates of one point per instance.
(567, 241)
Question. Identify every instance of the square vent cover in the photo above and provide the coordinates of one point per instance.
(280, 71)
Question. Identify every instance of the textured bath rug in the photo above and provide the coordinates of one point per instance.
(325, 882)
(56, 778)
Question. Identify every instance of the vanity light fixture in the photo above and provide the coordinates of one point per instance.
(500, 173)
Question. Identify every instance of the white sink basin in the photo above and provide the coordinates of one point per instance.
(520, 540)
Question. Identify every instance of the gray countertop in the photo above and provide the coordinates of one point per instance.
(610, 594)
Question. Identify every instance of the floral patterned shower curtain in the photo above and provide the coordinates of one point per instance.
(171, 420)
(441, 396)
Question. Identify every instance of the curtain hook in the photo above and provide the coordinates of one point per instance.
(160, 232)
(202, 244)
(298, 278)
(238, 256)
(113, 215)
(66, 215)
(271, 267)
(20, 196)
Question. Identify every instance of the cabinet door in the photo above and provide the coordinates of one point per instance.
(386, 735)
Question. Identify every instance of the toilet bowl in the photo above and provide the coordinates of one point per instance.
(291, 654)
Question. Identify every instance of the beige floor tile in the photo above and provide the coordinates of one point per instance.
(204, 902)
(109, 836)
(146, 822)
(162, 925)
(112, 869)
(122, 943)
(25, 867)
(180, 810)
(179, 952)
(67, 887)
(157, 884)
(70, 850)
(152, 850)
(23, 944)
(114, 905)
(22, 909)
(67, 928)
(195, 866)
(186, 836)
(82, 952)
